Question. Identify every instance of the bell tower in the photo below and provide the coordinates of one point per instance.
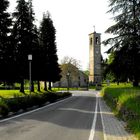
(95, 58)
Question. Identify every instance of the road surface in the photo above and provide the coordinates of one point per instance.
(75, 118)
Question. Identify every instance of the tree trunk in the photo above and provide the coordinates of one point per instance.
(118, 82)
(45, 86)
(22, 86)
(38, 85)
(135, 83)
(32, 86)
(50, 87)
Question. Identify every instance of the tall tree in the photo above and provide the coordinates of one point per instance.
(47, 34)
(5, 48)
(126, 43)
(23, 34)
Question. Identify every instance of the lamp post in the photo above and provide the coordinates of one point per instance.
(30, 71)
(68, 76)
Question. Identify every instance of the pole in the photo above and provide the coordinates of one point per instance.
(30, 76)
(68, 83)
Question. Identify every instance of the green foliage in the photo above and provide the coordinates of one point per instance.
(13, 104)
(110, 76)
(19, 37)
(4, 110)
(6, 50)
(23, 30)
(111, 58)
(86, 72)
(9, 93)
(125, 45)
(51, 70)
(125, 101)
(25, 102)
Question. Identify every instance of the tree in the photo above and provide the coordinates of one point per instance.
(6, 51)
(50, 59)
(125, 44)
(23, 35)
(71, 60)
(70, 65)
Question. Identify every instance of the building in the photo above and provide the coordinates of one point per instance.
(72, 77)
(95, 58)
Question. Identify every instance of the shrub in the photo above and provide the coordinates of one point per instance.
(51, 97)
(24, 102)
(63, 94)
(125, 101)
(4, 110)
(13, 104)
(37, 100)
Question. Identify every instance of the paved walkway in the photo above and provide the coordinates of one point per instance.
(113, 128)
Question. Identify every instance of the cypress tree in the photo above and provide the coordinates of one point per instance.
(47, 34)
(6, 51)
(23, 34)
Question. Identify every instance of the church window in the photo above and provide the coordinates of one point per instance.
(90, 41)
(97, 40)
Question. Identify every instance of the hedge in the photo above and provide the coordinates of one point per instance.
(17, 103)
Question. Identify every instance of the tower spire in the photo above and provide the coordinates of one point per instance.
(94, 28)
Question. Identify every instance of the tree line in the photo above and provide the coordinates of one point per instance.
(124, 53)
(19, 37)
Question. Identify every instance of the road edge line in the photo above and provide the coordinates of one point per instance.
(92, 131)
(104, 134)
(29, 112)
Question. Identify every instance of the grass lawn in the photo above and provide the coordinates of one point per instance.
(12, 93)
(125, 101)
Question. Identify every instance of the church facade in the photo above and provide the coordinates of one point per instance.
(76, 79)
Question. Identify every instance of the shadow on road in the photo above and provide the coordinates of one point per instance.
(74, 113)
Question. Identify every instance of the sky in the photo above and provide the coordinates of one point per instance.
(74, 20)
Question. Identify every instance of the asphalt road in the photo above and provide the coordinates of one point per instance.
(75, 118)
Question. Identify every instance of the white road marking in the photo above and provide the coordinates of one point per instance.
(104, 134)
(29, 112)
(92, 131)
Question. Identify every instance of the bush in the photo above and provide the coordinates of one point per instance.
(125, 101)
(13, 104)
(51, 97)
(4, 110)
(37, 100)
(63, 94)
(18, 102)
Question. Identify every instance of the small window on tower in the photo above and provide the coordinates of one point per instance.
(97, 40)
(90, 41)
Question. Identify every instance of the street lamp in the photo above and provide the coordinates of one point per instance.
(30, 72)
(68, 76)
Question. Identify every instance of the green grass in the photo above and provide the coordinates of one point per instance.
(10, 93)
(66, 89)
(125, 97)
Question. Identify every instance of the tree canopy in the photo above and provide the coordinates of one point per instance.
(5, 48)
(48, 44)
(20, 37)
(125, 44)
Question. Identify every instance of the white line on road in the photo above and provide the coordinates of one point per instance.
(92, 131)
(104, 134)
(29, 112)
